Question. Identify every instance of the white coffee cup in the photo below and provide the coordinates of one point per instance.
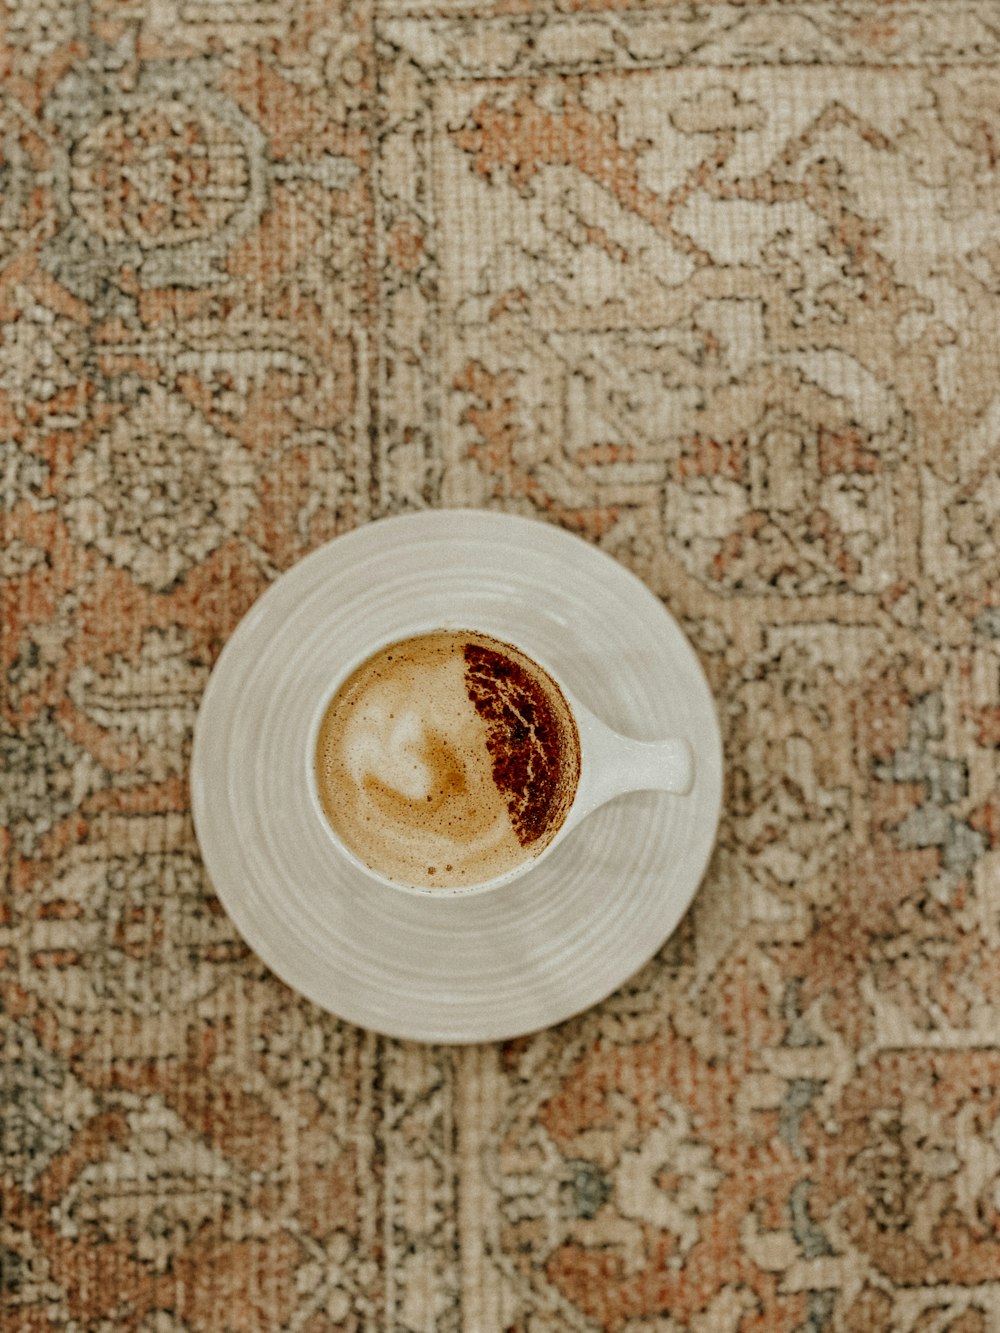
(610, 765)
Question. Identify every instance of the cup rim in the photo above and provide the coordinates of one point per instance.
(312, 786)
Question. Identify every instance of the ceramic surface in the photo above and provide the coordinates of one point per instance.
(454, 969)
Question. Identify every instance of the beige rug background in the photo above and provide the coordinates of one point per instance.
(718, 288)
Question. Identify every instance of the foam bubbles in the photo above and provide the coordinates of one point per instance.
(405, 772)
(382, 746)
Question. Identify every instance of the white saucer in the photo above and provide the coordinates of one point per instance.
(477, 968)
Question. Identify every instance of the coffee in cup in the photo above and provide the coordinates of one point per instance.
(447, 759)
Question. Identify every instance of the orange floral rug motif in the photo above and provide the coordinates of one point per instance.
(715, 286)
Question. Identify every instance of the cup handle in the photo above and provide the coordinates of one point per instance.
(612, 764)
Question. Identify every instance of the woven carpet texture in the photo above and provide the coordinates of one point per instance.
(715, 286)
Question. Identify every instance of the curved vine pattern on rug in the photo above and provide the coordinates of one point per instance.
(714, 286)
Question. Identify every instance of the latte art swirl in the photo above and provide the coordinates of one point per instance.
(447, 759)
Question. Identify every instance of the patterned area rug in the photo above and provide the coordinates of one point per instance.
(716, 286)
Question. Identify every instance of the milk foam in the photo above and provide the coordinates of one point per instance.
(387, 748)
(405, 772)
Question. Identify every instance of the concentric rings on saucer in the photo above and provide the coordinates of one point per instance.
(454, 969)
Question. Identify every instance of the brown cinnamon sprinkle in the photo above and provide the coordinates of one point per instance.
(526, 740)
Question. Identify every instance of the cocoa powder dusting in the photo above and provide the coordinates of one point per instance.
(525, 738)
